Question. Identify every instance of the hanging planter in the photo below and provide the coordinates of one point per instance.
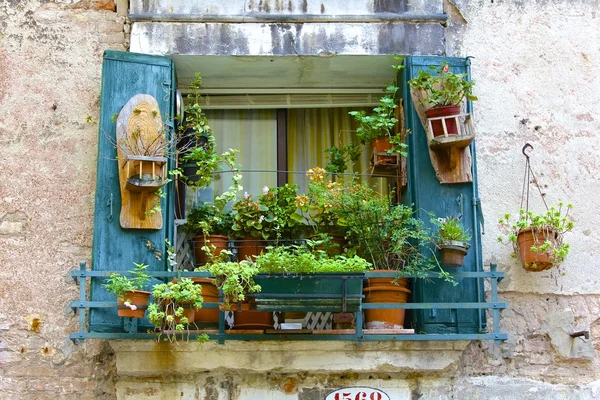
(452, 253)
(537, 239)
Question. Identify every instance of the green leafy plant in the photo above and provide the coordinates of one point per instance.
(317, 205)
(339, 157)
(119, 284)
(171, 300)
(198, 146)
(381, 121)
(450, 229)
(281, 218)
(305, 259)
(251, 219)
(442, 87)
(548, 231)
(208, 219)
(235, 279)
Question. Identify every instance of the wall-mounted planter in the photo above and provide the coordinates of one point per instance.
(453, 252)
(449, 133)
(142, 150)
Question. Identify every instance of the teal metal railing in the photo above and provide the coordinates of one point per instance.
(131, 329)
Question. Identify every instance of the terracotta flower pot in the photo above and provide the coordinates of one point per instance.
(249, 247)
(533, 260)
(437, 125)
(253, 320)
(381, 290)
(382, 145)
(453, 253)
(210, 294)
(139, 298)
(219, 241)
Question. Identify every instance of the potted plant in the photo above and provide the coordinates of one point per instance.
(378, 126)
(252, 225)
(538, 239)
(301, 277)
(443, 93)
(131, 299)
(198, 159)
(452, 240)
(212, 227)
(236, 281)
(318, 210)
(174, 307)
(281, 218)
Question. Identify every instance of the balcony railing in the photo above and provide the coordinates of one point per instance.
(342, 301)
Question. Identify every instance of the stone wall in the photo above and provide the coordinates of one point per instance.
(50, 66)
(537, 68)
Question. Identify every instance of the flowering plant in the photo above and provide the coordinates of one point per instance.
(318, 204)
(208, 219)
(443, 88)
(250, 218)
(282, 210)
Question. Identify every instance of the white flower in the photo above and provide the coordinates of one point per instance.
(265, 189)
(133, 307)
(246, 195)
(260, 219)
(127, 304)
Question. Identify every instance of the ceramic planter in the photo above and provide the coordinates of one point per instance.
(382, 290)
(453, 252)
(249, 247)
(532, 260)
(219, 241)
(139, 298)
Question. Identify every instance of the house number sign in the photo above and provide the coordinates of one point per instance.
(357, 393)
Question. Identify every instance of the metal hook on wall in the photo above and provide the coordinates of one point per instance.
(527, 146)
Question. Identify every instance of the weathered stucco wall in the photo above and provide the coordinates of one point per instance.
(50, 64)
(537, 68)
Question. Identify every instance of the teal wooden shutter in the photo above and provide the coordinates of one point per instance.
(426, 193)
(123, 76)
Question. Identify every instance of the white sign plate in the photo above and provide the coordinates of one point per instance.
(357, 393)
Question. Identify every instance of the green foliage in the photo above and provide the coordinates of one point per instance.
(381, 121)
(450, 229)
(281, 218)
(208, 219)
(552, 225)
(200, 145)
(306, 260)
(236, 279)
(251, 219)
(120, 284)
(442, 87)
(167, 313)
(339, 157)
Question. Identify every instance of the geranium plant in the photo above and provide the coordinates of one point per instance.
(282, 210)
(442, 87)
(546, 231)
(251, 219)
